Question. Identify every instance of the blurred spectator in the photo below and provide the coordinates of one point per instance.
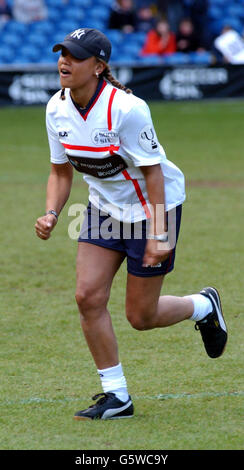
(145, 18)
(142, 3)
(173, 10)
(5, 12)
(230, 46)
(123, 16)
(187, 40)
(29, 11)
(160, 40)
(197, 10)
(162, 6)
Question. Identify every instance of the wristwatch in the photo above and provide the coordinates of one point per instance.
(160, 238)
(52, 212)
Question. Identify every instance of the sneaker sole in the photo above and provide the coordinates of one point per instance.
(120, 417)
(81, 418)
(219, 311)
(85, 418)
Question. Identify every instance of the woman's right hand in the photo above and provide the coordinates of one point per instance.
(44, 225)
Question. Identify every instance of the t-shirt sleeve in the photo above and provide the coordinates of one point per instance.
(138, 137)
(57, 152)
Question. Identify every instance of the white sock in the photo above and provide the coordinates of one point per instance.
(113, 380)
(202, 306)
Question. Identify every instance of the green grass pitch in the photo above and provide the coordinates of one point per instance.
(183, 399)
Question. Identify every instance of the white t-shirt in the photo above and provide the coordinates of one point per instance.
(108, 145)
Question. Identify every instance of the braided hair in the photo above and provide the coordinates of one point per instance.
(107, 74)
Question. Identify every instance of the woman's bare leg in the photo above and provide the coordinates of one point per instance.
(146, 309)
(96, 268)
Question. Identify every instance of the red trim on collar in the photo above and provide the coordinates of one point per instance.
(94, 102)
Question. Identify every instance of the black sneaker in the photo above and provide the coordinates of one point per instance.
(107, 407)
(212, 327)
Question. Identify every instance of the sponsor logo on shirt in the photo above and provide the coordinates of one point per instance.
(98, 167)
(103, 136)
(148, 140)
(63, 134)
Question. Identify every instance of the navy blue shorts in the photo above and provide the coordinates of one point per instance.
(102, 230)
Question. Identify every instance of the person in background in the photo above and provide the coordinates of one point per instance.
(173, 10)
(197, 11)
(5, 12)
(160, 40)
(145, 18)
(228, 47)
(187, 40)
(123, 16)
(28, 12)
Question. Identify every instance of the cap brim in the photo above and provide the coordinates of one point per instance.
(77, 51)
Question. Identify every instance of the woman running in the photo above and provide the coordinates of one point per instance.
(101, 129)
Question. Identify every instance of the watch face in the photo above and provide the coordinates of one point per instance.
(164, 238)
(159, 238)
(52, 212)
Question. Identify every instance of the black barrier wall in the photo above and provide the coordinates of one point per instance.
(36, 86)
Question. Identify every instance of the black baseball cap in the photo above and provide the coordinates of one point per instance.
(86, 42)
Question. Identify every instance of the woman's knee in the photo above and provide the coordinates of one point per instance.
(140, 319)
(88, 298)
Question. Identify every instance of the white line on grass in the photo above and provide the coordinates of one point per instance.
(164, 396)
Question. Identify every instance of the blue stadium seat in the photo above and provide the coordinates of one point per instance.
(107, 3)
(126, 60)
(216, 27)
(57, 37)
(130, 49)
(11, 39)
(66, 26)
(7, 54)
(202, 58)
(84, 3)
(48, 56)
(54, 14)
(138, 37)
(151, 59)
(48, 60)
(20, 60)
(115, 55)
(75, 13)
(16, 27)
(178, 58)
(38, 39)
(53, 3)
(93, 23)
(235, 10)
(43, 27)
(32, 53)
(100, 12)
(215, 13)
(234, 23)
(116, 37)
(220, 3)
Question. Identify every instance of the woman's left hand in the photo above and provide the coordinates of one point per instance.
(156, 252)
